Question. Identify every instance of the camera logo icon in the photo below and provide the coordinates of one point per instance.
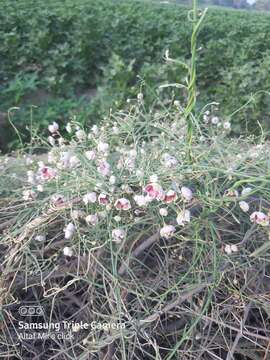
(31, 310)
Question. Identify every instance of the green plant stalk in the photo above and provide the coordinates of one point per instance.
(192, 74)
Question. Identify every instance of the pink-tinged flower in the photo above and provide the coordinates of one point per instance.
(244, 206)
(47, 173)
(155, 191)
(92, 219)
(57, 199)
(103, 147)
(67, 251)
(141, 200)
(118, 235)
(183, 217)
(90, 155)
(231, 193)
(29, 195)
(104, 168)
(53, 128)
(186, 193)
(170, 196)
(167, 231)
(122, 204)
(103, 199)
(90, 198)
(69, 231)
(259, 218)
(227, 125)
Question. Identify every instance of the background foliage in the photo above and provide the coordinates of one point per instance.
(52, 53)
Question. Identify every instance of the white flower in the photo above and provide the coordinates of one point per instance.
(51, 140)
(69, 128)
(153, 178)
(183, 217)
(205, 119)
(140, 200)
(246, 191)
(118, 235)
(69, 231)
(80, 134)
(117, 218)
(40, 188)
(133, 153)
(53, 128)
(104, 168)
(139, 173)
(227, 125)
(92, 219)
(186, 193)
(103, 147)
(40, 238)
(77, 214)
(234, 248)
(73, 161)
(31, 177)
(90, 155)
(229, 249)
(244, 206)
(115, 130)
(169, 161)
(215, 120)
(61, 141)
(95, 130)
(112, 180)
(29, 195)
(90, 198)
(140, 97)
(67, 251)
(167, 231)
(163, 211)
(259, 218)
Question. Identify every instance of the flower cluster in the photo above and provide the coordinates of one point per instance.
(117, 183)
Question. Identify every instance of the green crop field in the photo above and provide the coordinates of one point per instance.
(56, 53)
